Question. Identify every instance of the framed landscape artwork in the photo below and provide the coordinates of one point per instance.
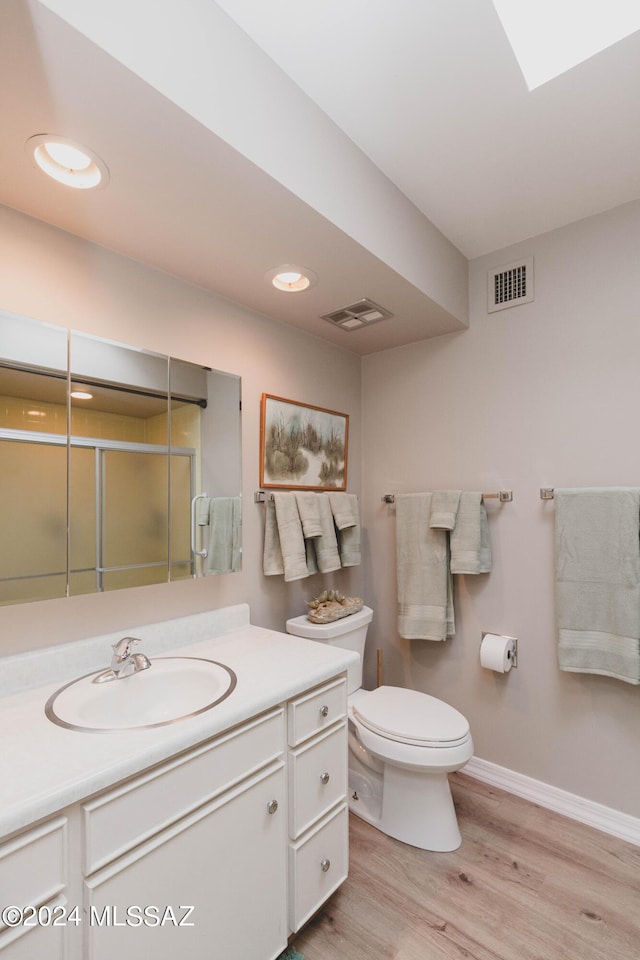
(302, 447)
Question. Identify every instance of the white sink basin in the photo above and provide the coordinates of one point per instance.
(173, 688)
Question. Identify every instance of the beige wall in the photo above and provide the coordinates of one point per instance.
(544, 394)
(56, 277)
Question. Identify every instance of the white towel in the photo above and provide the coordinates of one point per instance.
(225, 526)
(425, 607)
(346, 515)
(470, 544)
(597, 538)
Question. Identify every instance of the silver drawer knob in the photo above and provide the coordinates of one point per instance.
(324, 865)
(324, 778)
(324, 711)
(272, 806)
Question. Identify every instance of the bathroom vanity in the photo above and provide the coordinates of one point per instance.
(214, 836)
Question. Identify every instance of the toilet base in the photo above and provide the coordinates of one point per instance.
(424, 818)
(417, 808)
(414, 807)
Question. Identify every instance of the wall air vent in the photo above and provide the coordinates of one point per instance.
(510, 285)
(357, 315)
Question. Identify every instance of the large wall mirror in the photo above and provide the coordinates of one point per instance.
(118, 467)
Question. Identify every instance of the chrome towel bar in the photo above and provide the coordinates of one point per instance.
(504, 496)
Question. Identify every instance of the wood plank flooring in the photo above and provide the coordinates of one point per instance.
(526, 884)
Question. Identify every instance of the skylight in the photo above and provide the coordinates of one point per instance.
(549, 37)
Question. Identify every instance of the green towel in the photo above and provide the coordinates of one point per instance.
(291, 954)
(225, 534)
(597, 534)
(425, 598)
(470, 544)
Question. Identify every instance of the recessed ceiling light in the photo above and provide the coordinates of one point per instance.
(68, 162)
(81, 393)
(290, 278)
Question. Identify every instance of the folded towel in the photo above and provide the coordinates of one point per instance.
(425, 607)
(346, 515)
(326, 546)
(272, 562)
(309, 511)
(597, 539)
(291, 538)
(344, 507)
(310, 552)
(225, 527)
(444, 509)
(470, 544)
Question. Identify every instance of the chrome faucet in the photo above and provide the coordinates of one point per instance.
(124, 663)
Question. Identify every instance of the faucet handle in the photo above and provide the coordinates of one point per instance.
(122, 648)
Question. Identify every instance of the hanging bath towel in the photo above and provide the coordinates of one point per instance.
(470, 543)
(346, 516)
(597, 539)
(425, 605)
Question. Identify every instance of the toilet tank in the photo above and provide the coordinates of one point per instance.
(349, 633)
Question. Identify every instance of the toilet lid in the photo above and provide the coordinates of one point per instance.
(411, 717)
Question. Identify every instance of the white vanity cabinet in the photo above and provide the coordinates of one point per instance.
(222, 850)
(215, 819)
(318, 814)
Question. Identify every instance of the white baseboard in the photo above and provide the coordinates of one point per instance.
(577, 808)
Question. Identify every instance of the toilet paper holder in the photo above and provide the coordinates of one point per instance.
(513, 653)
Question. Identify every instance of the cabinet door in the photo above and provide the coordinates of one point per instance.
(226, 861)
(27, 944)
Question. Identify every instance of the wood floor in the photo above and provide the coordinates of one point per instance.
(526, 884)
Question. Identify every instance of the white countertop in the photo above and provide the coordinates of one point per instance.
(46, 767)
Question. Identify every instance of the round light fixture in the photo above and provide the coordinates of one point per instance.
(81, 393)
(68, 162)
(291, 279)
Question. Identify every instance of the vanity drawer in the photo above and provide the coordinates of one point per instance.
(318, 864)
(118, 820)
(317, 710)
(33, 865)
(317, 778)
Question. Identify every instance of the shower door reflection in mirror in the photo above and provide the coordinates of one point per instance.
(118, 467)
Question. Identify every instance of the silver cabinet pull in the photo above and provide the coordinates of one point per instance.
(324, 865)
(272, 806)
(324, 778)
(324, 711)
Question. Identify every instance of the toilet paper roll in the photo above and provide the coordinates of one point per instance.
(496, 653)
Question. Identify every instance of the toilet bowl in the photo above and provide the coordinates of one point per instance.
(402, 746)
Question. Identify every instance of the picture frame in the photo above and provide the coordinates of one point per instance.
(302, 447)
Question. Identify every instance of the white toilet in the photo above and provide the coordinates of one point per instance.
(402, 745)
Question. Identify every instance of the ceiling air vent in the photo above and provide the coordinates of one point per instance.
(357, 315)
(510, 285)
